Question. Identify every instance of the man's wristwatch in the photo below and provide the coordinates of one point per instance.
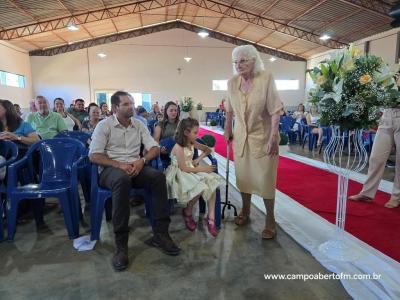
(144, 159)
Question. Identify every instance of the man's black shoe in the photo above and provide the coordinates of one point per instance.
(120, 259)
(164, 243)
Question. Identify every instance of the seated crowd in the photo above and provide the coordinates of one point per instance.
(121, 144)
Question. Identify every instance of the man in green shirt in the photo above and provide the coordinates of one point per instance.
(46, 123)
(78, 111)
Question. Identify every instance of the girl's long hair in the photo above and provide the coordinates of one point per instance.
(184, 126)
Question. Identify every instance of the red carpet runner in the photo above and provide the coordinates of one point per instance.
(316, 189)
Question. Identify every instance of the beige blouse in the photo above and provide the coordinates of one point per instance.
(253, 112)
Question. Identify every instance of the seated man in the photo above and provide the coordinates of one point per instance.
(142, 115)
(78, 111)
(115, 146)
(46, 123)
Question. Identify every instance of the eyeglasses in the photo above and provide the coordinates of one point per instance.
(240, 62)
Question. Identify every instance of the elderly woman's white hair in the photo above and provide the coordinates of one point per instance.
(248, 51)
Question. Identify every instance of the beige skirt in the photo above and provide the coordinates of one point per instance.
(256, 175)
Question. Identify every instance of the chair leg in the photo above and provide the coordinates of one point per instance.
(320, 148)
(12, 209)
(108, 208)
(148, 206)
(96, 217)
(76, 209)
(304, 140)
(1, 218)
(202, 205)
(70, 221)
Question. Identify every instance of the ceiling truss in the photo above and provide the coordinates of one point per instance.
(154, 29)
(146, 5)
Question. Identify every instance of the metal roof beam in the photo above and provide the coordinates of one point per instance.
(264, 22)
(158, 28)
(87, 17)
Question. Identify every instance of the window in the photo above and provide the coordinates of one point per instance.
(220, 85)
(10, 79)
(287, 85)
(143, 99)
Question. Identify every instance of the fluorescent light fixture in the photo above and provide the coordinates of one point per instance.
(203, 33)
(187, 58)
(73, 27)
(272, 59)
(325, 37)
(101, 55)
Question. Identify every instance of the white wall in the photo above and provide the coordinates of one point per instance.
(149, 64)
(15, 60)
(383, 44)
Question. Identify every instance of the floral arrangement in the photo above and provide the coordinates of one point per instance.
(351, 88)
(186, 104)
(199, 106)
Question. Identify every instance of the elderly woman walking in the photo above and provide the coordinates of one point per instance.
(255, 103)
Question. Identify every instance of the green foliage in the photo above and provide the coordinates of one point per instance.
(186, 104)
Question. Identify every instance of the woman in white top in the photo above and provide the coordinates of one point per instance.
(298, 115)
(313, 120)
(69, 120)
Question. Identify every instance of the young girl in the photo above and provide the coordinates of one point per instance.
(187, 180)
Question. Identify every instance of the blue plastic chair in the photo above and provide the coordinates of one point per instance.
(85, 166)
(286, 125)
(212, 116)
(78, 135)
(168, 144)
(100, 200)
(58, 178)
(221, 118)
(151, 124)
(326, 137)
(368, 140)
(310, 136)
(9, 151)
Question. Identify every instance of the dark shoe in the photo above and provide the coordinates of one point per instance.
(164, 243)
(390, 164)
(120, 259)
